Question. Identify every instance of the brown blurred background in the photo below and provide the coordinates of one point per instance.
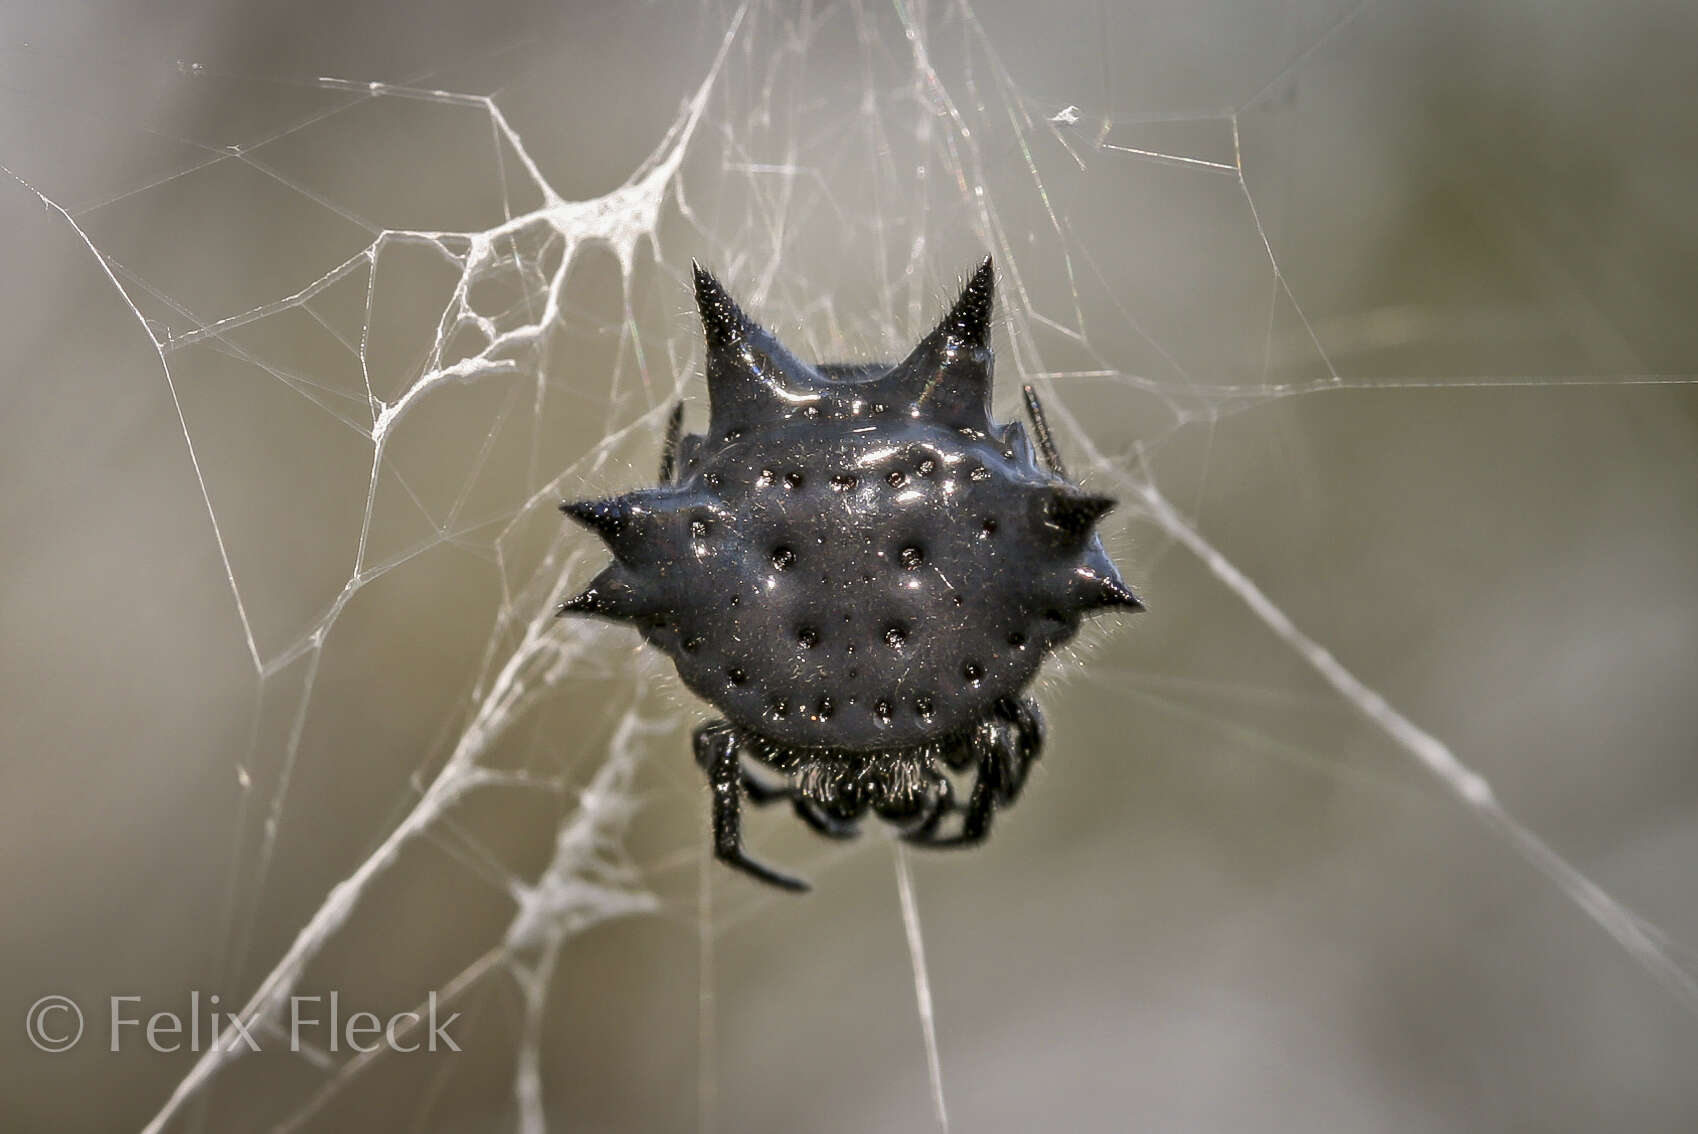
(1226, 902)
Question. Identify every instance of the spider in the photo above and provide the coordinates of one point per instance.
(862, 571)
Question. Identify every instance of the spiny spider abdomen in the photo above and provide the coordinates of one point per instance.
(862, 571)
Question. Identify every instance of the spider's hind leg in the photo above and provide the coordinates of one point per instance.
(716, 746)
(669, 447)
(1040, 426)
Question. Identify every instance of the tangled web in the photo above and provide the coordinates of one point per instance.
(439, 386)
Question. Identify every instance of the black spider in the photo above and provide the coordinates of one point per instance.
(862, 571)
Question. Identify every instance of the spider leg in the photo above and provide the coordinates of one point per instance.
(975, 822)
(1024, 740)
(756, 790)
(1005, 746)
(926, 833)
(1040, 427)
(669, 448)
(760, 793)
(809, 812)
(716, 750)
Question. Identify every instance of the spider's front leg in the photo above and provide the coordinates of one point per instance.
(1004, 748)
(716, 747)
(941, 805)
(815, 817)
(760, 793)
(1020, 740)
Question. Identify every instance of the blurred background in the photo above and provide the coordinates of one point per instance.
(1391, 302)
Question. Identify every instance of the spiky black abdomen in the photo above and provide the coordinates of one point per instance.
(854, 558)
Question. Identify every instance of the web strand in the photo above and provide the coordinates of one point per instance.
(922, 983)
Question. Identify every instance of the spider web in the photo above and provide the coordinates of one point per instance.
(395, 322)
